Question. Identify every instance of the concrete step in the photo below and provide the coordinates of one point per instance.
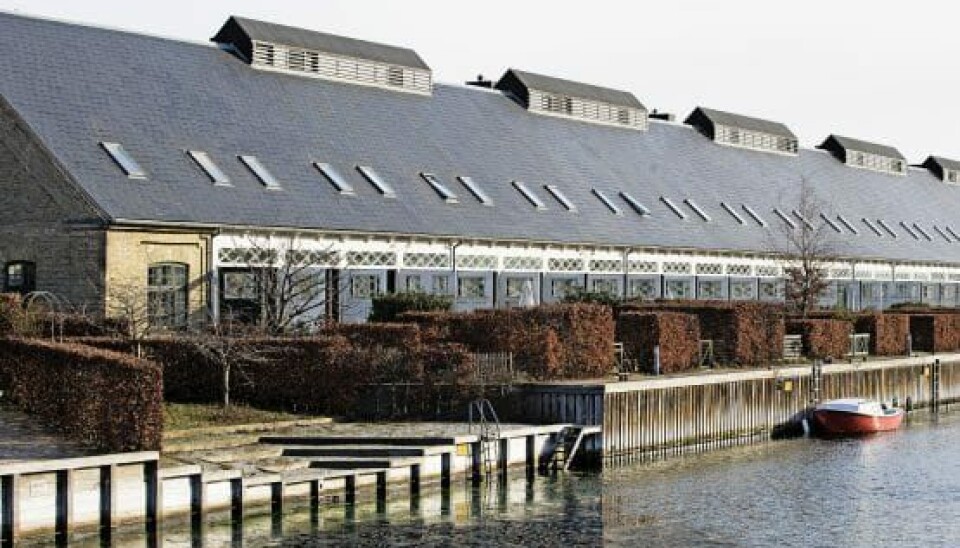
(361, 463)
(322, 441)
(353, 451)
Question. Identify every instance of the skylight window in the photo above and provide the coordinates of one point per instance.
(847, 224)
(783, 216)
(258, 169)
(123, 159)
(635, 204)
(475, 189)
(732, 213)
(831, 224)
(886, 227)
(337, 180)
(614, 208)
(697, 209)
(202, 159)
(378, 183)
(872, 227)
(756, 216)
(441, 189)
(802, 219)
(952, 233)
(942, 233)
(673, 207)
(560, 197)
(529, 195)
(922, 232)
(909, 231)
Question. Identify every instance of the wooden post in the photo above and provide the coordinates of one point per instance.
(197, 497)
(108, 501)
(414, 480)
(476, 464)
(10, 518)
(64, 503)
(382, 492)
(503, 461)
(445, 471)
(532, 456)
(350, 489)
(153, 504)
(236, 511)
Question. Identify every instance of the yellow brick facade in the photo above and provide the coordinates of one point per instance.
(129, 254)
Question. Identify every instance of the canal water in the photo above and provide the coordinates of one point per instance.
(894, 489)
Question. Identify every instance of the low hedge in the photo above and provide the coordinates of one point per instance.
(677, 334)
(935, 332)
(888, 333)
(110, 400)
(751, 333)
(388, 307)
(391, 335)
(822, 338)
(559, 341)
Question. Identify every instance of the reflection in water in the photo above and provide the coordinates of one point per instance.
(893, 489)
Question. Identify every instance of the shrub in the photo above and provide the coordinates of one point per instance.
(888, 333)
(580, 295)
(822, 338)
(677, 334)
(110, 400)
(388, 307)
(391, 335)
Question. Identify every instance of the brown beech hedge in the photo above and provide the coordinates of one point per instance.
(822, 338)
(888, 333)
(110, 400)
(560, 341)
(751, 332)
(676, 333)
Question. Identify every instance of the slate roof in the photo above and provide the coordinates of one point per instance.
(161, 97)
(292, 36)
(848, 143)
(718, 117)
(576, 89)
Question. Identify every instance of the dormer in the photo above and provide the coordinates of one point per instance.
(292, 50)
(557, 97)
(743, 131)
(946, 169)
(865, 155)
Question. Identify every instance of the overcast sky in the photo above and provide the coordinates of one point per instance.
(883, 71)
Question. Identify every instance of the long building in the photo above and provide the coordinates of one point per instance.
(175, 167)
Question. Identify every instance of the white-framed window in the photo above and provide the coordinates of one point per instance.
(771, 290)
(364, 286)
(743, 290)
(643, 288)
(167, 295)
(515, 286)
(710, 289)
(605, 286)
(679, 289)
(414, 283)
(563, 286)
(472, 287)
(441, 284)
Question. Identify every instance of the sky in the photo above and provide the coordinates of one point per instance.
(883, 71)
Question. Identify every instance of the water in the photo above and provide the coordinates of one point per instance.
(895, 489)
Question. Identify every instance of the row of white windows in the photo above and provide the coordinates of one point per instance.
(590, 110)
(756, 139)
(341, 68)
(876, 162)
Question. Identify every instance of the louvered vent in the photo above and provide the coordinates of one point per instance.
(864, 155)
(288, 49)
(556, 97)
(743, 131)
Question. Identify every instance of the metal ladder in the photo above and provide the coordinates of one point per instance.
(935, 387)
(816, 376)
(484, 417)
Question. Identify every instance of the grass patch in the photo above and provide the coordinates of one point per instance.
(184, 416)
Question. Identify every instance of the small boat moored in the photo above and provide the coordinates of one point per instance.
(856, 416)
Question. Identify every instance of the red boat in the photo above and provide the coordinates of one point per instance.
(856, 416)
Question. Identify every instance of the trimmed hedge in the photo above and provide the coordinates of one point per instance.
(390, 335)
(888, 333)
(324, 374)
(677, 334)
(751, 332)
(559, 341)
(822, 338)
(935, 332)
(110, 400)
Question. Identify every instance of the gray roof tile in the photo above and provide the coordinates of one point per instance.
(160, 97)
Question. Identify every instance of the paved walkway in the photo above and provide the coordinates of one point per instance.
(23, 438)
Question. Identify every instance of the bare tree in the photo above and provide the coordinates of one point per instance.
(806, 247)
(231, 349)
(290, 288)
(128, 306)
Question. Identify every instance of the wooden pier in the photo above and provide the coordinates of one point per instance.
(657, 417)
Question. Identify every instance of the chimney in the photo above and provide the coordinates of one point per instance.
(665, 116)
(480, 82)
